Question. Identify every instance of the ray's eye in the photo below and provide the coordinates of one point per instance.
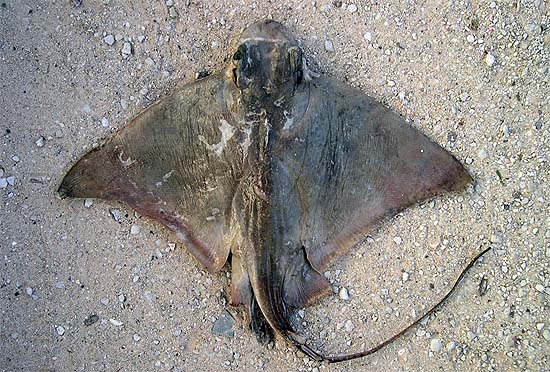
(237, 56)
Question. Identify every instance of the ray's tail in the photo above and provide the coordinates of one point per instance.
(298, 340)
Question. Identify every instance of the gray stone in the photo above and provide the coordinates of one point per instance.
(109, 40)
(224, 325)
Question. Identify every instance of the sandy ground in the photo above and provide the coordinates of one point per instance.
(80, 292)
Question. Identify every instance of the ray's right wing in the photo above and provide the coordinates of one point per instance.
(355, 162)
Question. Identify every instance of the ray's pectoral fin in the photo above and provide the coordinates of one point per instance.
(303, 286)
(160, 165)
(361, 163)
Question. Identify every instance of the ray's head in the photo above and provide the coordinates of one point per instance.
(266, 60)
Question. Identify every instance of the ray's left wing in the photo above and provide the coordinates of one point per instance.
(177, 163)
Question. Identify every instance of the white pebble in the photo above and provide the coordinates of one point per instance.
(88, 203)
(60, 330)
(149, 61)
(349, 326)
(115, 213)
(540, 288)
(343, 294)
(482, 154)
(29, 291)
(490, 59)
(40, 141)
(135, 229)
(546, 334)
(451, 345)
(3, 183)
(11, 180)
(126, 49)
(105, 122)
(148, 296)
(368, 36)
(470, 38)
(136, 337)
(109, 40)
(397, 240)
(115, 322)
(329, 47)
(141, 38)
(435, 345)
(405, 276)
(540, 326)
(352, 8)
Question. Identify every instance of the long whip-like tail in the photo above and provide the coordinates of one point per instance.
(341, 358)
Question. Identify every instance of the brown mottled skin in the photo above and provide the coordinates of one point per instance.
(265, 160)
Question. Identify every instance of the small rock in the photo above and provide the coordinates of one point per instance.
(470, 38)
(540, 288)
(115, 213)
(172, 12)
(490, 59)
(391, 83)
(435, 345)
(343, 294)
(368, 36)
(91, 319)
(115, 322)
(144, 91)
(121, 297)
(109, 40)
(104, 301)
(546, 334)
(464, 96)
(141, 38)
(16, 158)
(3, 183)
(169, 2)
(352, 8)
(123, 104)
(471, 335)
(149, 61)
(349, 326)
(135, 229)
(29, 291)
(451, 345)
(105, 122)
(497, 239)
(126, 49)
(224, 325)
(10, 180)
(482, 154)
(540, 326)
(405, 276)
(60, 330)
(40, 141)
(136, 337)
(397, 240)
(148, 296)
(88, 202)
(118, 37)
(329, 47)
